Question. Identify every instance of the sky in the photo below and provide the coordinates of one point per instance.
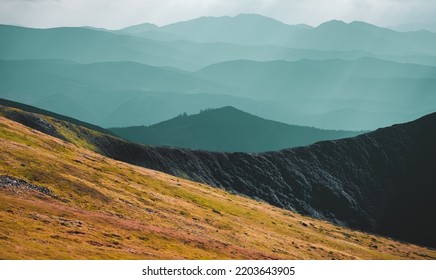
(116, 14)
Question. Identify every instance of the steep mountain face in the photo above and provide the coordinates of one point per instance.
(383, 181)
(227, 129)
(61, 201)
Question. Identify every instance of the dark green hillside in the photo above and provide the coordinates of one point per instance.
(227, 129)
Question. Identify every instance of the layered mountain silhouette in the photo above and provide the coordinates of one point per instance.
(108, 93)
(89, 118)
(382, 182)
(348, 76)
(365, 78)
(86, 45)
(165, 48)
(252, 29)
(227, 130)
(115, 94)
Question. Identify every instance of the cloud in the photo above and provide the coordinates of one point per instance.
(117, 14)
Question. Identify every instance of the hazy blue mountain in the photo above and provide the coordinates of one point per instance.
(45, 76)
(86, 46)
(366, 88)
(352, 118)
(150, 31)
(111, 93)
(337, 35)
(357, 35)
(227, 130)
(116, 90)
(248, 29)
(366, 79)
(140, 28)
(245, 29)
(161, 48)
(126, 94)
(94, 92)
(406, 27)
(221, 46)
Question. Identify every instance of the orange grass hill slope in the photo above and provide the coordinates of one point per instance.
(59, 200)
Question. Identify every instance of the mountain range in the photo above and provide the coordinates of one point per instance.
(259, 65)
(218, 138)
(116, 94)
(251, 29)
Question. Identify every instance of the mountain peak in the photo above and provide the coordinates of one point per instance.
(256, 17)
(225, 109)
(142, 27)
(333, 23)
(240, 18)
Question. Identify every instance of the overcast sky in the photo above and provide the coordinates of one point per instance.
(116, 14)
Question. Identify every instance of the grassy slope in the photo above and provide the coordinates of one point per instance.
(105, 209)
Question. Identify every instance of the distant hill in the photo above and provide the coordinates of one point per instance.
(227, 130)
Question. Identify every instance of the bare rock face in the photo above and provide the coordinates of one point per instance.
(17, 185)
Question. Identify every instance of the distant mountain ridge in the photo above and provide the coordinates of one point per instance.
(252, 29)
(227, 129)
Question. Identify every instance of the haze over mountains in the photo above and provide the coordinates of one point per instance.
(352, 76)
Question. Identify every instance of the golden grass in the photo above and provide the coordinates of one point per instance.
(106, 209)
